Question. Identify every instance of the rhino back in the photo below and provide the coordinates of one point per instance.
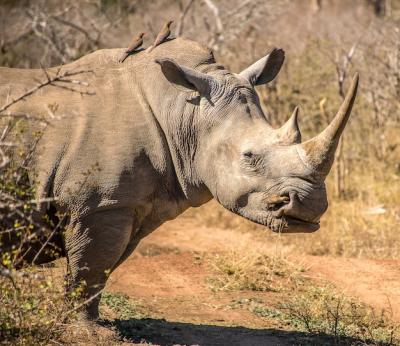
(102, 146)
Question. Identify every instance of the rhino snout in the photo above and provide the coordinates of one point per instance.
(311, 211)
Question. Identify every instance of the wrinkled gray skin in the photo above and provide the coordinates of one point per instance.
(164, 132)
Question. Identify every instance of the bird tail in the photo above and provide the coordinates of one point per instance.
(123, 57)
(150, 49)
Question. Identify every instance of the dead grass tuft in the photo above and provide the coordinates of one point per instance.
(247, 269)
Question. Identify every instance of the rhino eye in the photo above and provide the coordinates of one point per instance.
(252, 161)
(242, 99)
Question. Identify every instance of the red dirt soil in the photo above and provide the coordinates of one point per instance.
(167, 277)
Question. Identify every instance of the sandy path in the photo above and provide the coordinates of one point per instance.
(375, 282)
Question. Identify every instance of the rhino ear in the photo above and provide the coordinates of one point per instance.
(265, 70)
(186, 77)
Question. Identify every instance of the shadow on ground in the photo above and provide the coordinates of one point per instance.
(165, 333)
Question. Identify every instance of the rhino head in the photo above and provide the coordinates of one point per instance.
(264, 174)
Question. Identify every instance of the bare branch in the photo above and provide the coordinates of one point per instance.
(76, 27)
(89, 93)
(45, 72)
(59, 225)
(179, 28)
(4, 159)
(85, 302)
(49, 81)
(215, 10)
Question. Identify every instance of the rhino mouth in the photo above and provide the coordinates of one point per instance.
(279, 223)
(295, 225)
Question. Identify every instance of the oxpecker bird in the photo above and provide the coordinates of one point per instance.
(162, 35)
(136, 42)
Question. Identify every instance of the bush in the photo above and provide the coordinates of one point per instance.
(322, 310)
(33, 309)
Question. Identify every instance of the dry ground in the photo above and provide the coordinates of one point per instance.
(167, 280)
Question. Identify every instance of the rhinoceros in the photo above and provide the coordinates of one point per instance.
(160, 133)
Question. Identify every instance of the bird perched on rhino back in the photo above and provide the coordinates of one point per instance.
(136, 42)
(162, 35)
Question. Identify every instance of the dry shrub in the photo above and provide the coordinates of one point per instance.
(33, 309)
(324, 311)
(251, 269)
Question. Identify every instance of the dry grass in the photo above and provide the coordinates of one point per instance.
(316, 308)
(247, 269)
(325, 311)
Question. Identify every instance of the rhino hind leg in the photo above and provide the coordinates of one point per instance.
(94, 246)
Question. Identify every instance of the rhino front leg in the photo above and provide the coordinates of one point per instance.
(94, 245)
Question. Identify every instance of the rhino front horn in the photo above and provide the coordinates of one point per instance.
(320, 151)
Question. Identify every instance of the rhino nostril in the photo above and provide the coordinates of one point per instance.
(277, 203)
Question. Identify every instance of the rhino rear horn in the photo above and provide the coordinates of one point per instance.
(289, 132)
